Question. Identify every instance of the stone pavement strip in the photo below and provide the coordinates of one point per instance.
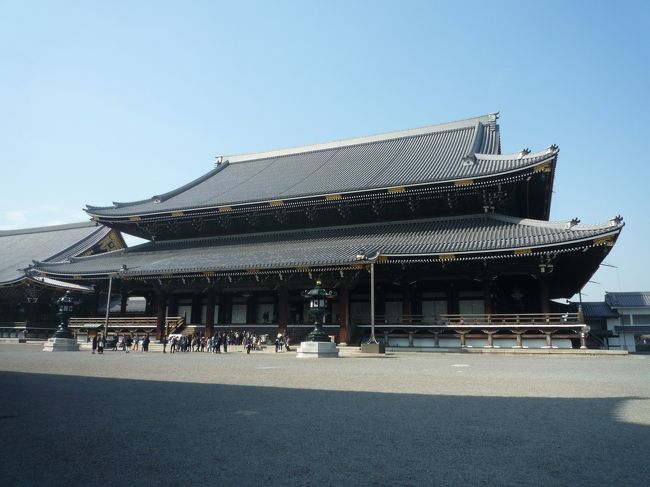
(73, 418)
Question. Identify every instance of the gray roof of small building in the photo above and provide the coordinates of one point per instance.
(18, 248)
(628, 299)
(596, 309)
(431, 154)
(334, 246)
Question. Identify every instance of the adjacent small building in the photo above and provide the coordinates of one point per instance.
(633, 322)
(26, 298)
(621, 321)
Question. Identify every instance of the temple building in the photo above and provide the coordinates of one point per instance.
(456, 236)
(26, 299)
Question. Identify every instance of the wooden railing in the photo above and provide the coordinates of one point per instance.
(20, 330)
(531, 320)
(124, 322)
(12, 324)
(550, 325)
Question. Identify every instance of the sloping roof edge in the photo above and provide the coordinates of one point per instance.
(490, 118)
(639, 299)
(224, 161)
(49, 228)
(595, 235)
(529, 161)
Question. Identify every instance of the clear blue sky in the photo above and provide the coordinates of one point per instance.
(121, 100)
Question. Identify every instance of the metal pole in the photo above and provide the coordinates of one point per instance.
(108, 306)
(372, 303)
(166, 326)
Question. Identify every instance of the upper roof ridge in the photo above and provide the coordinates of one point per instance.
(49, 228)
(489, 119)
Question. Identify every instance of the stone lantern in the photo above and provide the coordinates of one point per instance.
(317, 309)
(318, 343)
(66, 307)
(63, 339)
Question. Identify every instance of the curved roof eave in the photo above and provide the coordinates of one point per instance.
(528, 161)
(13, 282)
(56, 284)
(162, 197)
(475, 123)
(141, 264)
(47, 244)
(45, 282)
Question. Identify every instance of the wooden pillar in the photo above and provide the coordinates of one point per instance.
(225, 308)
(148, 305)
(518, 337)
(209, 314)
(583, 337)
(461, 336)
(251, 308)
(490, 337)
(173, 305)
(549, 338)
(452, 300)
(123, 297)
(161, 329)
(487, 296)
(544, 293)
(283, 309)
(221, 316)
(380, 305)
(407, 303)
(197, 302)
(344, 305)
(96, 302)
(32, 312)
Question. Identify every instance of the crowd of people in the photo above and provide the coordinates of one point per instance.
(218, 343)
(124, 342)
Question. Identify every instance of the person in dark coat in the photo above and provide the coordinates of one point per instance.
(94, 343)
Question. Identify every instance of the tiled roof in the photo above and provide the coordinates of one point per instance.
(340, 245)
(595, 309)
(18, 248)
(454, 151)
(628, 300)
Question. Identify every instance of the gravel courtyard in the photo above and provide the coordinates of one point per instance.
(73, 418)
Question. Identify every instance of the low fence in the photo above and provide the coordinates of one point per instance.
(125, 324)
(22, 331)
(511, 329)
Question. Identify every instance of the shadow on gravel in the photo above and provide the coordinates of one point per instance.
(67, 430)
